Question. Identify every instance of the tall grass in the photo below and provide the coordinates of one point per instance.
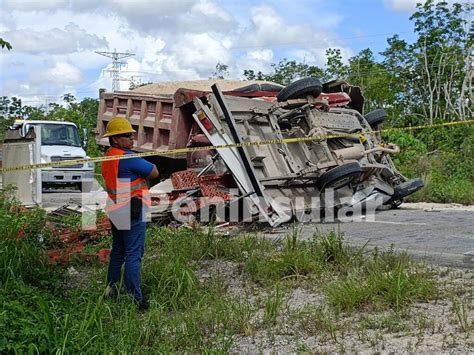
(45, 310)
(386, 280)
(273, 305)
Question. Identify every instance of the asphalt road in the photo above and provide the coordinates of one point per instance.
(436, 234)
(441, 236)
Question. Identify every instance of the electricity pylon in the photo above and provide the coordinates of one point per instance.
(116, 66)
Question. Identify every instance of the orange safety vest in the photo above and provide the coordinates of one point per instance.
(120, 192)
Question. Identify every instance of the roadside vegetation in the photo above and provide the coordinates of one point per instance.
(214, 293)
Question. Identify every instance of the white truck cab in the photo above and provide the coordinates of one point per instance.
(60, 140)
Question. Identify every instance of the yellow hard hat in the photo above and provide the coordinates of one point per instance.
(118, 125)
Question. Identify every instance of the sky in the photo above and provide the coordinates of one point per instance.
(54, 41)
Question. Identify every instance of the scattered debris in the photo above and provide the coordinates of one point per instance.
(71, 241)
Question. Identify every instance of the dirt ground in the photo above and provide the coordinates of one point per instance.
(430, 206)
(305, 324)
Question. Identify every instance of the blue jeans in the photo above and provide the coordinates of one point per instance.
(128, 247)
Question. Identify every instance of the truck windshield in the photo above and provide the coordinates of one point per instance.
(59, 134)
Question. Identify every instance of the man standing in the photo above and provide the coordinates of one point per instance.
(127, 202)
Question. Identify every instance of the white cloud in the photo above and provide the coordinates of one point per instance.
(192, 56)
(44, 83)
(54, 41)
(151, 16)
(60, 74)
(401, 5)
(268, 28)
(33, 5)
(205, 16)
(257, 60)
(301, 42)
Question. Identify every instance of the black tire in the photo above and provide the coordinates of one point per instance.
(301, 88)
(340, 176)
(376, 117)
(407, 188)
(260, 87)
(86, 186)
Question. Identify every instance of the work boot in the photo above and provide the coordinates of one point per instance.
(143, 304)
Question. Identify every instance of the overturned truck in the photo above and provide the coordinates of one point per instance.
(302, 151)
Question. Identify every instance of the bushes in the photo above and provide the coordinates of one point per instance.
(21, 256)
(443, 158)
(27, 282)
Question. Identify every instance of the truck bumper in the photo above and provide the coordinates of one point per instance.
(67, 176)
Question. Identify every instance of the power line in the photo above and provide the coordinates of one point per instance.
(116, 66)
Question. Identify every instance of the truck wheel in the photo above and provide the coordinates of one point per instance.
(407, 188)
(340, 176)
(376, 117)
(301, 88)
(86, 186)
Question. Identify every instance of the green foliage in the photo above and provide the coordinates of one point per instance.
(83, 114)
(5, 44)
(348, 294)
(461, 310)
(221, 72)
(273, 306)
(385, 280)
(416, 83)
(335, 68)
(285, 72)
(249, 74)
(412, 153)
(174, 282)
(44, 310)
(443, 158)
(450, 179)
(299, 259)
(431, 71)
(22, 231)
(375, 81)
(185, 316)
(317, 321)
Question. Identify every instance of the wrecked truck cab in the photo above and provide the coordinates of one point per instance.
(320, 144)
(323, 154)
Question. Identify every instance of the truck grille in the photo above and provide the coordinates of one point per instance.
(58, 158)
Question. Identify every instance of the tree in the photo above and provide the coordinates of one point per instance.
(249, 74)
(5, 44)
(287, 71)
(222, 71)
(83, 114)
(10, 109)
(432, 71)
(375, 81)
(335, 68)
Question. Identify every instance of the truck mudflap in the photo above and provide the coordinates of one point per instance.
(237, 160)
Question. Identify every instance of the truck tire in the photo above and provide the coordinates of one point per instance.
(260, 87)
(407, 188)
(86, 186)
(340, 176)
(301, 88)
(376, 117)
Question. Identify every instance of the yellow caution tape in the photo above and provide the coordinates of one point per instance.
(360, 136)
